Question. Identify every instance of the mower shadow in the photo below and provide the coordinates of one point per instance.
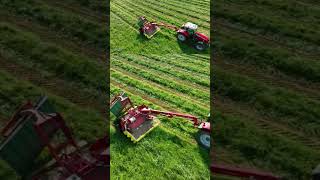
(120, 136)
(141, 38)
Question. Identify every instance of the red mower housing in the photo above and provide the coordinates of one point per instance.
(36, 127)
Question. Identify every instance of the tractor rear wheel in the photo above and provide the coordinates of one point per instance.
(204, 139)
(181, 37)
(200, 46)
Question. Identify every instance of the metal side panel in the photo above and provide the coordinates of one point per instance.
(21, 148)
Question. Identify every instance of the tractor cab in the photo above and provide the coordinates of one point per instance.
(190, 28)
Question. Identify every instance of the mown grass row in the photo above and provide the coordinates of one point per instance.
(54, 59)
(199, 3)
(266, 22)
(164, 15)
(199, 79)
(263, 149)
(182, 103)
(68, 24)
(175, 62)
(192, 9)
(247, 51)
(282, 105)
(161, 80)
(181, 15)
(285, 8)
(163, 96)
(95, 5)
(196, 59)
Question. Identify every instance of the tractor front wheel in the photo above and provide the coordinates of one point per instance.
(200, 46)
(181, 37)
(204, 139)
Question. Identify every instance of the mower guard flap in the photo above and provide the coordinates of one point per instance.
(150, 30)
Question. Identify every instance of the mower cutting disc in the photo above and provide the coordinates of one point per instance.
(138, 133)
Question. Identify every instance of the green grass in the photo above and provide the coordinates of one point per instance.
(153, 72)
(52, 58)
(270, 20)
(264, 85)
(68, 24)
(21, 46)
(264, 149)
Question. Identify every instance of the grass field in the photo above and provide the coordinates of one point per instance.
(267, 85)
(55, 49)
(164, 75)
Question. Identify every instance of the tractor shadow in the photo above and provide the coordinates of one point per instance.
(205, 153)
(188, 48)
(185, 47)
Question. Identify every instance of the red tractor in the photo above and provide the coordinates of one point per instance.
(187, 32)
(137, 121)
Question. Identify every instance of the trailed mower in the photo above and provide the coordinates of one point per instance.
(34, 128)
(186, 33)
(137, 121)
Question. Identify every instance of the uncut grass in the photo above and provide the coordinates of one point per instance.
(282, 105)
(95, 5)
(251, 52)
(181, 15)
(68, 24)
(52, 58)
(267, 21)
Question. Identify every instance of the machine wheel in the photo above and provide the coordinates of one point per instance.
(316, 173)
(200, 46)
(181, 37)
(204, 139)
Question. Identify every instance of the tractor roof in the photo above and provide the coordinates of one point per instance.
(191, 25)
